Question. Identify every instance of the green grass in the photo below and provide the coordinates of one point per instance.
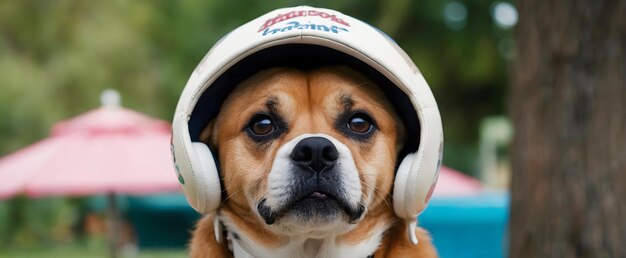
(83, 252)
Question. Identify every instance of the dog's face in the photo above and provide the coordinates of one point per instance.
(306, 152)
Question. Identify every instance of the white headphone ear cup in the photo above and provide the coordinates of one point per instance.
(205, 178)
(400, 184)
(412, 187)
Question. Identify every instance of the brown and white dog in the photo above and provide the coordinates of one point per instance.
(307, 160)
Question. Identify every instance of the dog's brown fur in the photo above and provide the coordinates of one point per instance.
(308, 100)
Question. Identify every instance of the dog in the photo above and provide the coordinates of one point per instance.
(307, 161)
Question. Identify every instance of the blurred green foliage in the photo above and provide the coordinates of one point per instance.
(45, 221)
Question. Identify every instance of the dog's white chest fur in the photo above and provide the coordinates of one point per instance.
(304, 246)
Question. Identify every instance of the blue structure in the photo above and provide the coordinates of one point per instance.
(467, 227)
(162, 221)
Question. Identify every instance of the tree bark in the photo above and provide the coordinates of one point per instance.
(568, 107)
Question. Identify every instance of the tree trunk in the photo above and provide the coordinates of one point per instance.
(568, 106)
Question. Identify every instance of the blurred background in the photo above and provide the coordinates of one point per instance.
(57, 57)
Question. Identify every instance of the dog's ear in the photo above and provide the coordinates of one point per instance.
(208, 135)
(401, 136)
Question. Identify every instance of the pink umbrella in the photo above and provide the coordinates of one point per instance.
(108, 150)
(452, 183)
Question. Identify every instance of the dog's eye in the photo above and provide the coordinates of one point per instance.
(360, 123)
(262, 125)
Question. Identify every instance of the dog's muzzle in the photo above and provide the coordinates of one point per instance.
(313, 176)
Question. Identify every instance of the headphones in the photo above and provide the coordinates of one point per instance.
(306, 37)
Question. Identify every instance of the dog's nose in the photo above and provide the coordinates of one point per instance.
(316, 153)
